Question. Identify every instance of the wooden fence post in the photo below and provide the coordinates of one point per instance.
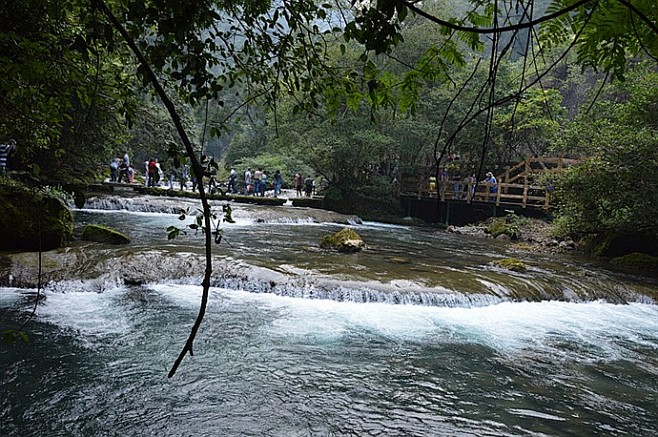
(498, 191)
(506, 177)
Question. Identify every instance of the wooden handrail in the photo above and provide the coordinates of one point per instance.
(509, 191)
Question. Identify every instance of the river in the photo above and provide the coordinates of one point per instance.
(418, 335)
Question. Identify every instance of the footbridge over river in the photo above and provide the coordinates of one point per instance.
(524, 188)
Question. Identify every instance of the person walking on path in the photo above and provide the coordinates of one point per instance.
(231, 181)
(308, 184)
(263, 184)
(278, 182)
(5, 149)
(146, 172)
(298, 184)
(152, 171)
(123, 171)
(247, 181)
(114, 169)
(258, 174)
(185, 176)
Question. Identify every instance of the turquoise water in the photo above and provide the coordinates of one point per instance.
(267, 364)
(270, 365)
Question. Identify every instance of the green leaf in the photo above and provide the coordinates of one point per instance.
(172, 232)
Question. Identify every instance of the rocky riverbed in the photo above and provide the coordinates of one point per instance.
(530, 234)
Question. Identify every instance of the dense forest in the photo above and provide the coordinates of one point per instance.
(359, 93)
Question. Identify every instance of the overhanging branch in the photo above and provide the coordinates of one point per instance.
(196, 167)
(494, 30)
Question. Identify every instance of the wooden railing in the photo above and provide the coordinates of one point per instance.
(523, 195)
(535, 165)
(516, 185)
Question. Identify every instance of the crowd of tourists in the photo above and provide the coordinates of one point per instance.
(121, 170)
(461, 185)
(253, 182)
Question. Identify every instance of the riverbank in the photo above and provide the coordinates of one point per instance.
(528, 234)
(531, 235)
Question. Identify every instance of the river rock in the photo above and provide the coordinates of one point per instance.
(474, 230)
(346, 241)
(102, 234)
(32, 219)
(513, 264)
(637, 261)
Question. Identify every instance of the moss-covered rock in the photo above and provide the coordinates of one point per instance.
(636, 261)
(346, 240)
(102, 234)
(32, 219)
(502, 226)
(614, 244)
(513, 264)
(328, 242)
(176, 193)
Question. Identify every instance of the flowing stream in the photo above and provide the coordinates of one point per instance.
(418, 335)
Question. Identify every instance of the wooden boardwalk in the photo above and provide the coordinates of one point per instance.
(526, 185)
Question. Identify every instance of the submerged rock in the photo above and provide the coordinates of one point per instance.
(400, 260)
(102, 234)
(513, 264)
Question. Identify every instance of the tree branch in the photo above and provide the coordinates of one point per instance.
(640, 14)
(196, 167)
(519, 26)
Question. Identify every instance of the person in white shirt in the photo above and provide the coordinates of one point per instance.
(231, 181)
(247, 181)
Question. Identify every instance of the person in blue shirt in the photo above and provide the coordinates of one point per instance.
(493, 185)
(278, 182)
(114, 170)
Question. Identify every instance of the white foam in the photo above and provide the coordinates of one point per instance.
(537, 414)
(126, 212)
(592, 331)
(603, 329)
(90, 313)
(378, 225)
